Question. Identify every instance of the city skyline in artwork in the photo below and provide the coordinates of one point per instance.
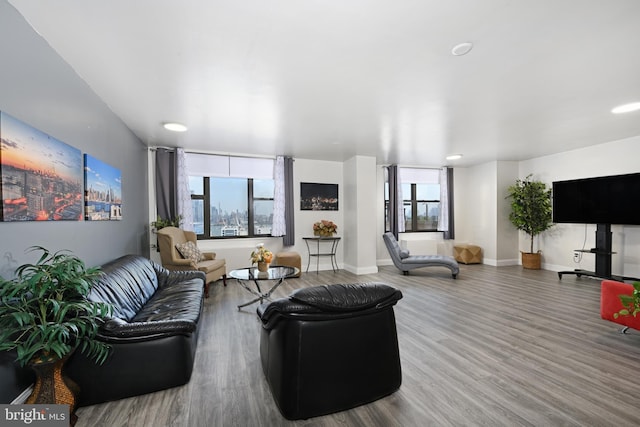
(103, 190)
(41, 178)
(318, 197)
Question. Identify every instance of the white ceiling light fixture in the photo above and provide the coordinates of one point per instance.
(175, 127)
(454, 157)
(626, 108)
(462, 49)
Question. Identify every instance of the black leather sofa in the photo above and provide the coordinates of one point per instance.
(153, 333)
(329, 348)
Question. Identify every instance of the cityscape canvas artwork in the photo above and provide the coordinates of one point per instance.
(103, 190)
(318, 197)
(41, 177)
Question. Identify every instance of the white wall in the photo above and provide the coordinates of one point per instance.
(360, 202)
(480, 210)
(558, 244)
(236, 251)
(431, 242)
(382, 256)
(326, 173)
(475, 210)
(506, 234)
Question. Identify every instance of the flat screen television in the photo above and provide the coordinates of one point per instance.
(601, 200)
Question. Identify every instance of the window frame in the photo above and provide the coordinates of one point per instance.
(206, 198)
(413, 203)
(413, 206)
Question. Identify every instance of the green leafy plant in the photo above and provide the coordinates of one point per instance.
(530, 206)
(44, 312)
(631, 302)
(168, 222)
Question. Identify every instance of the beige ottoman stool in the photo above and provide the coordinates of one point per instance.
(467, 254)
(289, 259)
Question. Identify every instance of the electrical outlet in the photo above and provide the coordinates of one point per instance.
(576, 257)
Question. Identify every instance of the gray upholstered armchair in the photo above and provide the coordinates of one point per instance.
(405, 261)
(178, 254)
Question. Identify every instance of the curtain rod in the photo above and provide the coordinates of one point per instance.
(213, 153)
(413, 167)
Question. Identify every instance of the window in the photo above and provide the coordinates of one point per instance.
(421, 206)
(231, 196)
(231, 207)
(421, 199)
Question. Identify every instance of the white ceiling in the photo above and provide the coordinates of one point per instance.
(332, 79)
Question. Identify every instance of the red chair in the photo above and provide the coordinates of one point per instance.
(610, 304)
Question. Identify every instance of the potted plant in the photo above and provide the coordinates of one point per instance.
(45, 316)
(531, 213)
(631, 303)
(161, 223)
(166, 222)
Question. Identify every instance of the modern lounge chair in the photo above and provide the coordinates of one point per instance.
(405, 261)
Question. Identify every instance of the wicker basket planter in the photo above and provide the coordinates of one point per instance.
(532, 261)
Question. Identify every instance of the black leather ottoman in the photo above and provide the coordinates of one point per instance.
(329, 348)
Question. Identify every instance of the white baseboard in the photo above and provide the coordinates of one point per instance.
(361, 270)
(502, 262)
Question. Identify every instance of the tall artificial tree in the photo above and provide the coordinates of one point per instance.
(530, 207)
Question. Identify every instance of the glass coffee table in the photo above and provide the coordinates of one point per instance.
(275, 275)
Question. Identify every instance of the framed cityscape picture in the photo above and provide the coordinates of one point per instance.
(318, 197)
(102, 191)
(41, 176)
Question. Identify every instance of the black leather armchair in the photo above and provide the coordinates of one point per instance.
(153, 332)
(330, 348)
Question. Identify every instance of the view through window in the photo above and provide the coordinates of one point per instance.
(231, 207)
(421, 200)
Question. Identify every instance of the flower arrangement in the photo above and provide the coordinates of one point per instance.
(324, 228)
(261, 254)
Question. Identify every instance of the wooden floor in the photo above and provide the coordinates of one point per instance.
(496, 347)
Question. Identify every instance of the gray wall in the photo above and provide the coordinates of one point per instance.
(40, 89)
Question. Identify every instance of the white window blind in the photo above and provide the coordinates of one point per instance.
(249, 167)
(227, 166)
(419, 176)
(207, 165)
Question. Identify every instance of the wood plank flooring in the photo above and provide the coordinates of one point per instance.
(496, 347)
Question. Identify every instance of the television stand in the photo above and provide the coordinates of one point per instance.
(579, 272)
(603, 254)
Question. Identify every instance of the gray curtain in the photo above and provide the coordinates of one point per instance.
(166, 184)
(289, 238)
(450, 233)
(394, 203)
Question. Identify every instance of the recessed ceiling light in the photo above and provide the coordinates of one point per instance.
(454, 157)
(462, 49)
(626, 108)
(175, 127)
